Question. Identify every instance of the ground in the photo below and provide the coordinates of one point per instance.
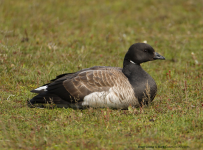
(42, 39)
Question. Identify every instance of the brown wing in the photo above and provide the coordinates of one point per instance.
(72, 75)
(90, 81)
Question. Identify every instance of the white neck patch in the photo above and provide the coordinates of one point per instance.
(132, 62)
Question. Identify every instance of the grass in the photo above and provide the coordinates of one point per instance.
(42, 39)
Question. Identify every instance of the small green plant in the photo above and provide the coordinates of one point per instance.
(42, 39)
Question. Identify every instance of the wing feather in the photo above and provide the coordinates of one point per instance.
(89, 81)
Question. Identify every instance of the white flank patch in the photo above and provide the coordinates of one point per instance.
(42, 88)
(111, 98)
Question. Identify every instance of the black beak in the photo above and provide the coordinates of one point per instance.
(158, 56)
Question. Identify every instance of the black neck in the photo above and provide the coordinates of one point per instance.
(128, 61)
(138, 79)
(130, 68)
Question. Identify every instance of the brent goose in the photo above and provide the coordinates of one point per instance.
(102, 86)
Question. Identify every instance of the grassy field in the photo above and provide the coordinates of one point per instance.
(42, 39)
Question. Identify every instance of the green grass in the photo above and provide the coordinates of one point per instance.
(69, 36)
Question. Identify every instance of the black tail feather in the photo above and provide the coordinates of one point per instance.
(44, 98)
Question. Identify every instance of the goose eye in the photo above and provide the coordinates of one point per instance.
(145, 50)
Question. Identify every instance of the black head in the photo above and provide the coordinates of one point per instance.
(141, 52)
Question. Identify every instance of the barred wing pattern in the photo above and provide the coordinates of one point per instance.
(106, 87)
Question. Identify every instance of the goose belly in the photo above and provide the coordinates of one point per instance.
(113, 98)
